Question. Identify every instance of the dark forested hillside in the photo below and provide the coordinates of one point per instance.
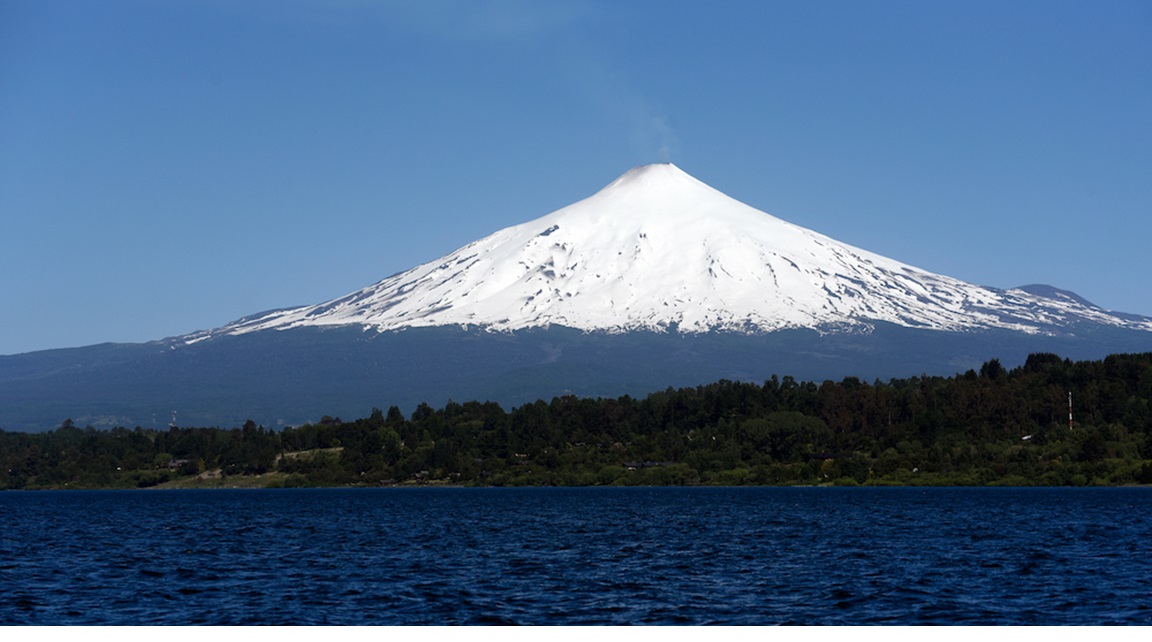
(289, 377)
(994, 426)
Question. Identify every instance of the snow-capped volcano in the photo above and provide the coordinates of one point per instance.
(657, 280)
(659, 250)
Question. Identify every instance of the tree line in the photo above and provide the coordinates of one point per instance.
(992, 426)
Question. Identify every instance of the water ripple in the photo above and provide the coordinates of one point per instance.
(578, 556)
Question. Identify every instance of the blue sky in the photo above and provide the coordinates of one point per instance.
(171, 166)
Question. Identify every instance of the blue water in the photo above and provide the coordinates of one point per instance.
(578, 556)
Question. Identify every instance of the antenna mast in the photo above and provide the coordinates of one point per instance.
(1069, 410)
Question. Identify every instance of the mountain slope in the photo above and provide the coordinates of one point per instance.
(658, 250)
(293, 376)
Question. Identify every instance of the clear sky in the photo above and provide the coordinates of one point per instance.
(170, 166)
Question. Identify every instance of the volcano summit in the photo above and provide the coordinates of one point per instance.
(655, 280)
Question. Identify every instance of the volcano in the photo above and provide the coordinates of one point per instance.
(656, 280)
(659, 250)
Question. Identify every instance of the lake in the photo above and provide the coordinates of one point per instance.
(578, 556)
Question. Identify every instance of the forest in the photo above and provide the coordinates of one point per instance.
(992, 427)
